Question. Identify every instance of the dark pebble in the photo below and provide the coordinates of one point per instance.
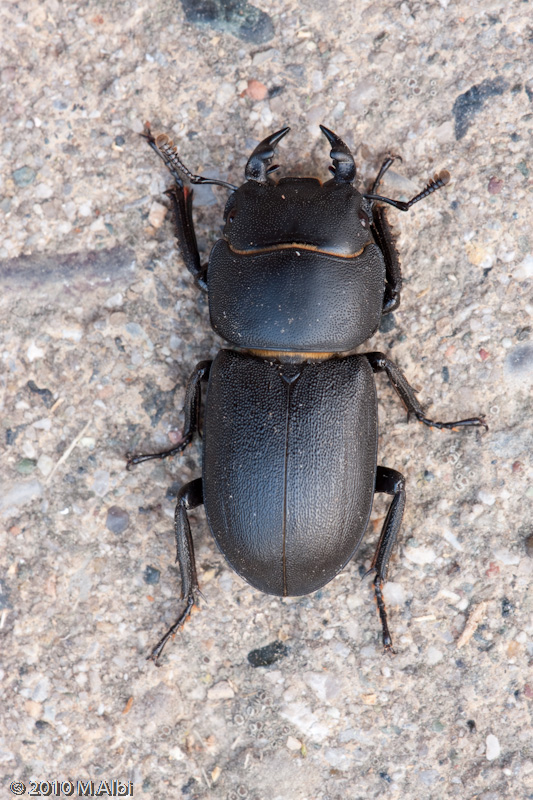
(237, 17)
(4, 596)
(470, 103)
(45, 394)
(119, 141)
(529, 545)
(520, 360)
(26, 466)
(151, 575)
(117, 520)
(267, 655)
(387, 323)
(23, 176)
(507, 607)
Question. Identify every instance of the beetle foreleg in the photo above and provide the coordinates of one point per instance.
(181, 201)
(393, 272)
(406, 393)
(189, 496)
(191, 410)
(391, 482)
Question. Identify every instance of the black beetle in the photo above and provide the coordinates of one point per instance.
(302, 275)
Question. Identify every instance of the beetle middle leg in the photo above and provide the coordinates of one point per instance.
(391, 482)
(189, 496)
(406, 393)
(191, 409)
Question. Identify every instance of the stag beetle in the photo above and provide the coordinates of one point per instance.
(301, 277)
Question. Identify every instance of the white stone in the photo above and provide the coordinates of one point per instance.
(493, 748)
(433, 656)
(525, 269)
(420, 555)
(507, 557)
(221, 691)
(293, 744)
(486, 497)
(394, 593)
(45, 465)
(33, 352)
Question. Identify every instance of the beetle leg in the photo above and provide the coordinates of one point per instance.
(406, 393)
(181, 201)
(191, 410)
(190, 496)
(393, 271)
(391, 482)
(388, 162)
(385, 241)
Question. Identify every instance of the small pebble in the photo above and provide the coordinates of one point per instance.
(33, 352)
(264, 656)
(493, 748)
(117, 520)
(43, 191)
(293, 744)
(45, 465)
(420, 555)
(486, 497)
(529, 545)
(23, 176)
(256, 90)
(151, 575)
(495, 185)
(26, 466)
(157, 214)
(433, 656)
(221, 691)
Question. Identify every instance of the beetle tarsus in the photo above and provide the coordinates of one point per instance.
(180, 622)
(133, 460)
(475, 422)
(189, 496)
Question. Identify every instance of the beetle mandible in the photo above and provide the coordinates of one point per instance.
(302, 275)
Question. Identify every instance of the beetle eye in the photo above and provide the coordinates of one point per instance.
(232, 215)
(364, 218)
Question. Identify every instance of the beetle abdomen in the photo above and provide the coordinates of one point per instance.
(295, 299)
(289, 527)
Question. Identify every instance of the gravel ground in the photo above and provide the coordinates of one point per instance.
(101, 325)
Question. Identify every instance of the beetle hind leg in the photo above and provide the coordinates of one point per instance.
(392, 482)
(190, 496)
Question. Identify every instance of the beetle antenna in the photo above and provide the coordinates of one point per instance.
(168, 152)
(439, 180)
